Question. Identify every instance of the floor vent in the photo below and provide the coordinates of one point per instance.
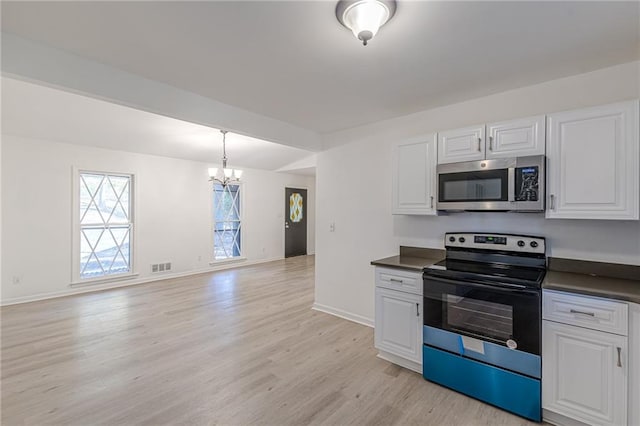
(161, 267)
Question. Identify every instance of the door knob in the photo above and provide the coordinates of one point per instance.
(286, 225)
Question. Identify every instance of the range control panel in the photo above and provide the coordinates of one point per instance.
(489, 239)
(502, 242)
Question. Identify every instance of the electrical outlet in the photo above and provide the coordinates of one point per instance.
(332, 227)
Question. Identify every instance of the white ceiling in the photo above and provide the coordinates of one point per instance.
(291, 60)
(36, 111)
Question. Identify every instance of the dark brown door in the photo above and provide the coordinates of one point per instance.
(295, 225)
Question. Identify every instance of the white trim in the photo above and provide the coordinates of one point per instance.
(238, 259)
(343, 314)
(106, 286)
(104, 279)
(212, 242)
(76, 233)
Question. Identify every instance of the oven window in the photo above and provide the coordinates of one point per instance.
(461, 190)
(490, 185)
(478, 317)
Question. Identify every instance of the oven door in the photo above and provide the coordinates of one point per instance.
(507, 316)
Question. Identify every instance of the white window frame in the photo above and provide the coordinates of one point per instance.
(76, 235)
(212, 249)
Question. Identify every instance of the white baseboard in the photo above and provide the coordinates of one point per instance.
(125, 283)
(343, 314)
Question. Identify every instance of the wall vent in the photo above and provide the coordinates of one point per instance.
(160, 267)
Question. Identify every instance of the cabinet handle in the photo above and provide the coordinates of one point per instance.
(432, 201)
(418, 314)
(619, 359)
(552, 199)
(393, 280)
(490, 143)
(479, 142)
(573, 311)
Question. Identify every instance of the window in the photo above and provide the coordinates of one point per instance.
(105, 224)
(226, 222)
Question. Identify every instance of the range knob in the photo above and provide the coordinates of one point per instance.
(520, 243)
(533, 244)
(461, 239)
(452, 239)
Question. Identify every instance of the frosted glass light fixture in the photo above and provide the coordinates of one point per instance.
(365, 17)
(228, 175)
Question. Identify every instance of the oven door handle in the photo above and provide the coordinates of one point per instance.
(506, 287)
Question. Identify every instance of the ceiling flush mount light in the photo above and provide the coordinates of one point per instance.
(228, 175)
(365, 17)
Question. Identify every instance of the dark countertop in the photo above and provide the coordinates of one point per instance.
(607, 287)
(412, 258)
(409, 263)
(608, 280)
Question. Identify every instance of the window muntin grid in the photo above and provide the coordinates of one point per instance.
(105, 224)
(227, 223)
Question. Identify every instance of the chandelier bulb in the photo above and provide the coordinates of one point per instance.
(365, 36)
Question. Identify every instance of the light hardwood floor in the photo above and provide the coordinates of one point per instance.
(233, 347)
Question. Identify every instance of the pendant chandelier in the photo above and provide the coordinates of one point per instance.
(228, 175)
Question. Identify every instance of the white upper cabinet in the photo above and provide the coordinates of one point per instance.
(414, 176)
(593, 158)
(513, 138)
(516, 138)
(461, 145)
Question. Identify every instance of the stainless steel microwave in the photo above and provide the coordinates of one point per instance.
(503, 184)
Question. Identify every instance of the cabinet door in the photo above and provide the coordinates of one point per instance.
(593, 161)
(414, 176)
(398, 326)
(516, 138)
(461, 145)
(583, 377)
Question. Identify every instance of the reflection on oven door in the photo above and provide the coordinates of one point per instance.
(480, 318)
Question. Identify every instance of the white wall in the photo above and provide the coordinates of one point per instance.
(354, 191)
(172, 213)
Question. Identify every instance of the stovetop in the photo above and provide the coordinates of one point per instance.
(488, 272)
(496, 259)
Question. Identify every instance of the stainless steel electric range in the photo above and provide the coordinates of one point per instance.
(482, 319)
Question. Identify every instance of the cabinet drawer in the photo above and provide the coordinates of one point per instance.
(397, 279)
(584, 311)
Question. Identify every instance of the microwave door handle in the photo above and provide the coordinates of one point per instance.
(511, 186)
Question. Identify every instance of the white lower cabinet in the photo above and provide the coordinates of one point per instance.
(584, 374)
(398, 324)
(584, 370)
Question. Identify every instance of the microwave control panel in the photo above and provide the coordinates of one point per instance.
(527, 183)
